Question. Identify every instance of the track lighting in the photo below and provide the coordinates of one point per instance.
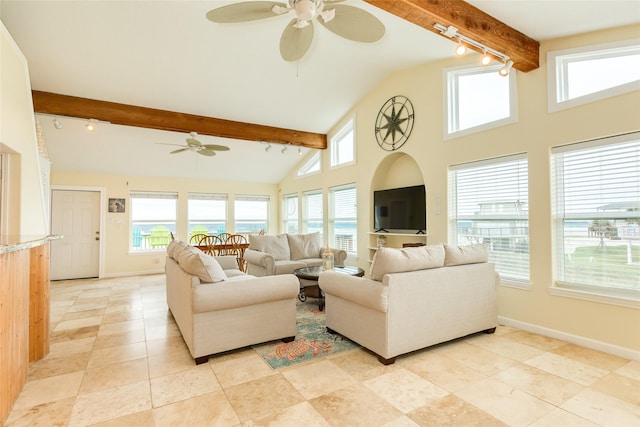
(267, 148)
(504, 71)
(89, 126)
(283, 149)
(464, 41)
(299, 151)
(56, 123)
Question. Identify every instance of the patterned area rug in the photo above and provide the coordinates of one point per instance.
(312, 340)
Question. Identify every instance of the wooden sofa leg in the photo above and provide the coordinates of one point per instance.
(489, 331)
(288, 339)
(202, 359)
(386, 361)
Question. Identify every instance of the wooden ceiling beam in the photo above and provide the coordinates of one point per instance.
(130, 115)
(471, 22)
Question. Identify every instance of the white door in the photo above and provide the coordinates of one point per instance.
(76, 216)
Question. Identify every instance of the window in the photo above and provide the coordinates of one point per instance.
(597, 216)
(343, 146)
(313, 212)
(290, 214)
(251, 214)
(488, 203)
(207, 213)
(479, 99)
(343, 228)
(312, 166)
(153, 218)
(583, 75)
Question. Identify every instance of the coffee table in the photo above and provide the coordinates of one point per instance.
(308, 277)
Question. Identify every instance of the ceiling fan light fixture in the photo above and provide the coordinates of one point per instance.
(328, 15)
(306, 10)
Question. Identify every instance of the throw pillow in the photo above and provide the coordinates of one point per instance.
(197, 263)
(469, 254)
(278, 246)
(304, 246)
(175, 247)
(394, 260)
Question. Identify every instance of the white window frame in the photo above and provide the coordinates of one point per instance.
(307, 168)
(211, 197)
(249, 198)
(352, 252)
(309, 214)
(557, 75)
(173, 221)
(337, 138)
(506, 244)
(450, 77)
(589, 291)
(290, 201)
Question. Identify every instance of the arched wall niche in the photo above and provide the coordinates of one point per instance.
(396, 170)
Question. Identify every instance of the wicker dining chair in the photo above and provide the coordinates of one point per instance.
(195, 239)
(208, 244)
(236, 241)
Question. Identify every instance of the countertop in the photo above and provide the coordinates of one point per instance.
(15, 242)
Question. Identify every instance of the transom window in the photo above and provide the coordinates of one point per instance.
(478, 98)
(596, 189)
(343, 217)
(207, 213)
(342, 146)
(251, 214)
(313, 165)
(488, 203)
(153, 219)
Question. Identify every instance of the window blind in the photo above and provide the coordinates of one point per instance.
(313, 212)
(343, 219)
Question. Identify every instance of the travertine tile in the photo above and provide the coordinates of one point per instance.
(631, 370)
(505, 347)
(444, 372)
(138, 419)
(302, 414)
(476, 358)
(603, 409)
(183, 385)
(235, 371)
(114, 375)
(212, 409)
(317, 378)
(48, 390)
(73, 315)
(121, 327)
(73, 334)
(52, 366)
(169, 363)
(78, 323)
(534, 340)
(360, 364)
(590, 357)
(116, 340)
(50, 414)
(166, 345)
(122, 353)
(620, 387)
(569, 369)
(71, 347)
(561, 418)
(453, 411)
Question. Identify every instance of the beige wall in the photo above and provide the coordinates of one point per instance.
(24, 212)
(116, 259)
(535, 133)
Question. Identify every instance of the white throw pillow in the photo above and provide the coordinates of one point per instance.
(175, 247)
(197, 263)
(394, 260)
(469, 254)
(278, 246)
(304, 246)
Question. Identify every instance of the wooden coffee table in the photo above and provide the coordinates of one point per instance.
(311, 274)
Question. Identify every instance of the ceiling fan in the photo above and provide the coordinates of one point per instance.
(194, 145)
(346, 21)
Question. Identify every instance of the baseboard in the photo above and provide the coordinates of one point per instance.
(627, 353)
(133, 273)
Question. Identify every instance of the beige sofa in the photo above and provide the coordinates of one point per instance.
(415, 298)
(219, 308)
(284, 253)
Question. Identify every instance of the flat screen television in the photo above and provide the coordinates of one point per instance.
(400, 209)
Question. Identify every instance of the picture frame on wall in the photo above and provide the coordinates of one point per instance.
(116, 205)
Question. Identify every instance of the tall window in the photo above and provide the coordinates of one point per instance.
(153, 218)
(313, 165)
(251, 214)
(597, 215)
(342, 146)
(290, 214)
(488, 203)
(207, 213)
(343, 227)
(479, 99)
(312, 212)
(587, 74)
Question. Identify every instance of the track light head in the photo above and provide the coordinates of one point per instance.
(56, 123)
(267, 148)
(486, 59)
(299, 151)
(283, 149)
(461, 49)
(89, 126)
(504, 71)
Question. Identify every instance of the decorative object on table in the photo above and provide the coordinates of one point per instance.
(381, 241)
(327, 259)
(345, 21)
(312, 340)
(116, 205)
(394, 123)
(194, 145)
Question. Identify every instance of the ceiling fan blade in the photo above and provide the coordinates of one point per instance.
(243, 12)
(215, 147)
(207, 152)
(179, 150)
(165, 143)
(295, 42)
(192, 142)
(355, 24)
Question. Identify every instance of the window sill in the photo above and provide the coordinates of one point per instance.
(517, 284)
(595, 297)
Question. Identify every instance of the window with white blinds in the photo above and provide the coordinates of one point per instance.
(343, 216)
(251, 214)
(290, 214)
(488, 203)
(207, 213)
(313, 212)
(596, 189)
(153, 219)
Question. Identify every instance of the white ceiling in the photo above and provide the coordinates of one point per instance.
(167, 55)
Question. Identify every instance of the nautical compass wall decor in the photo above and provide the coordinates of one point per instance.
(394, 123)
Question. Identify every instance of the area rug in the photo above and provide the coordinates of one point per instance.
(312, 340)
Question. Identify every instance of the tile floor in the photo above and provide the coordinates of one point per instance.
(117, 359)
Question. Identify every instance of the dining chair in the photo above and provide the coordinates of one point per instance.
(208, 244)
(238, 243)
(195, 239)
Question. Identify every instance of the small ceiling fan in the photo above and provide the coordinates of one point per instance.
(194, 145)
(346, 21)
